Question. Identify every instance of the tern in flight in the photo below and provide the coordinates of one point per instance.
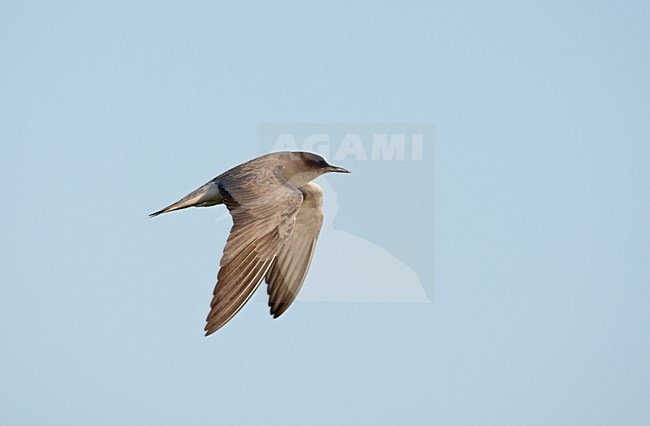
(277, 215)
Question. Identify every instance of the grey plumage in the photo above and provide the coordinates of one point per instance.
(277, 216)
(288, 271)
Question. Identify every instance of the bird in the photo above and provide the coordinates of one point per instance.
(277, 214)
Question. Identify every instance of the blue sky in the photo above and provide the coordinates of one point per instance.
(525, 223)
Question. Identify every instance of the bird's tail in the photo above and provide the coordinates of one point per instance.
(207, 195)
(176, 206)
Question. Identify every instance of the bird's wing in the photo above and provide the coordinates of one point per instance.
(264, 207)
(288, 271)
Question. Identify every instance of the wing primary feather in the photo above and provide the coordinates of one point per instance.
(288, 272)
(216, 322)
(264, 208)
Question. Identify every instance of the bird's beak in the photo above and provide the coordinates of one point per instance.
(334, 169)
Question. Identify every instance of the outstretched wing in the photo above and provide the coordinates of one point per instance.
(263, 206)
(288, 271)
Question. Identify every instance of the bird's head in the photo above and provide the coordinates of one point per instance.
(302, 167)
(316, 162)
